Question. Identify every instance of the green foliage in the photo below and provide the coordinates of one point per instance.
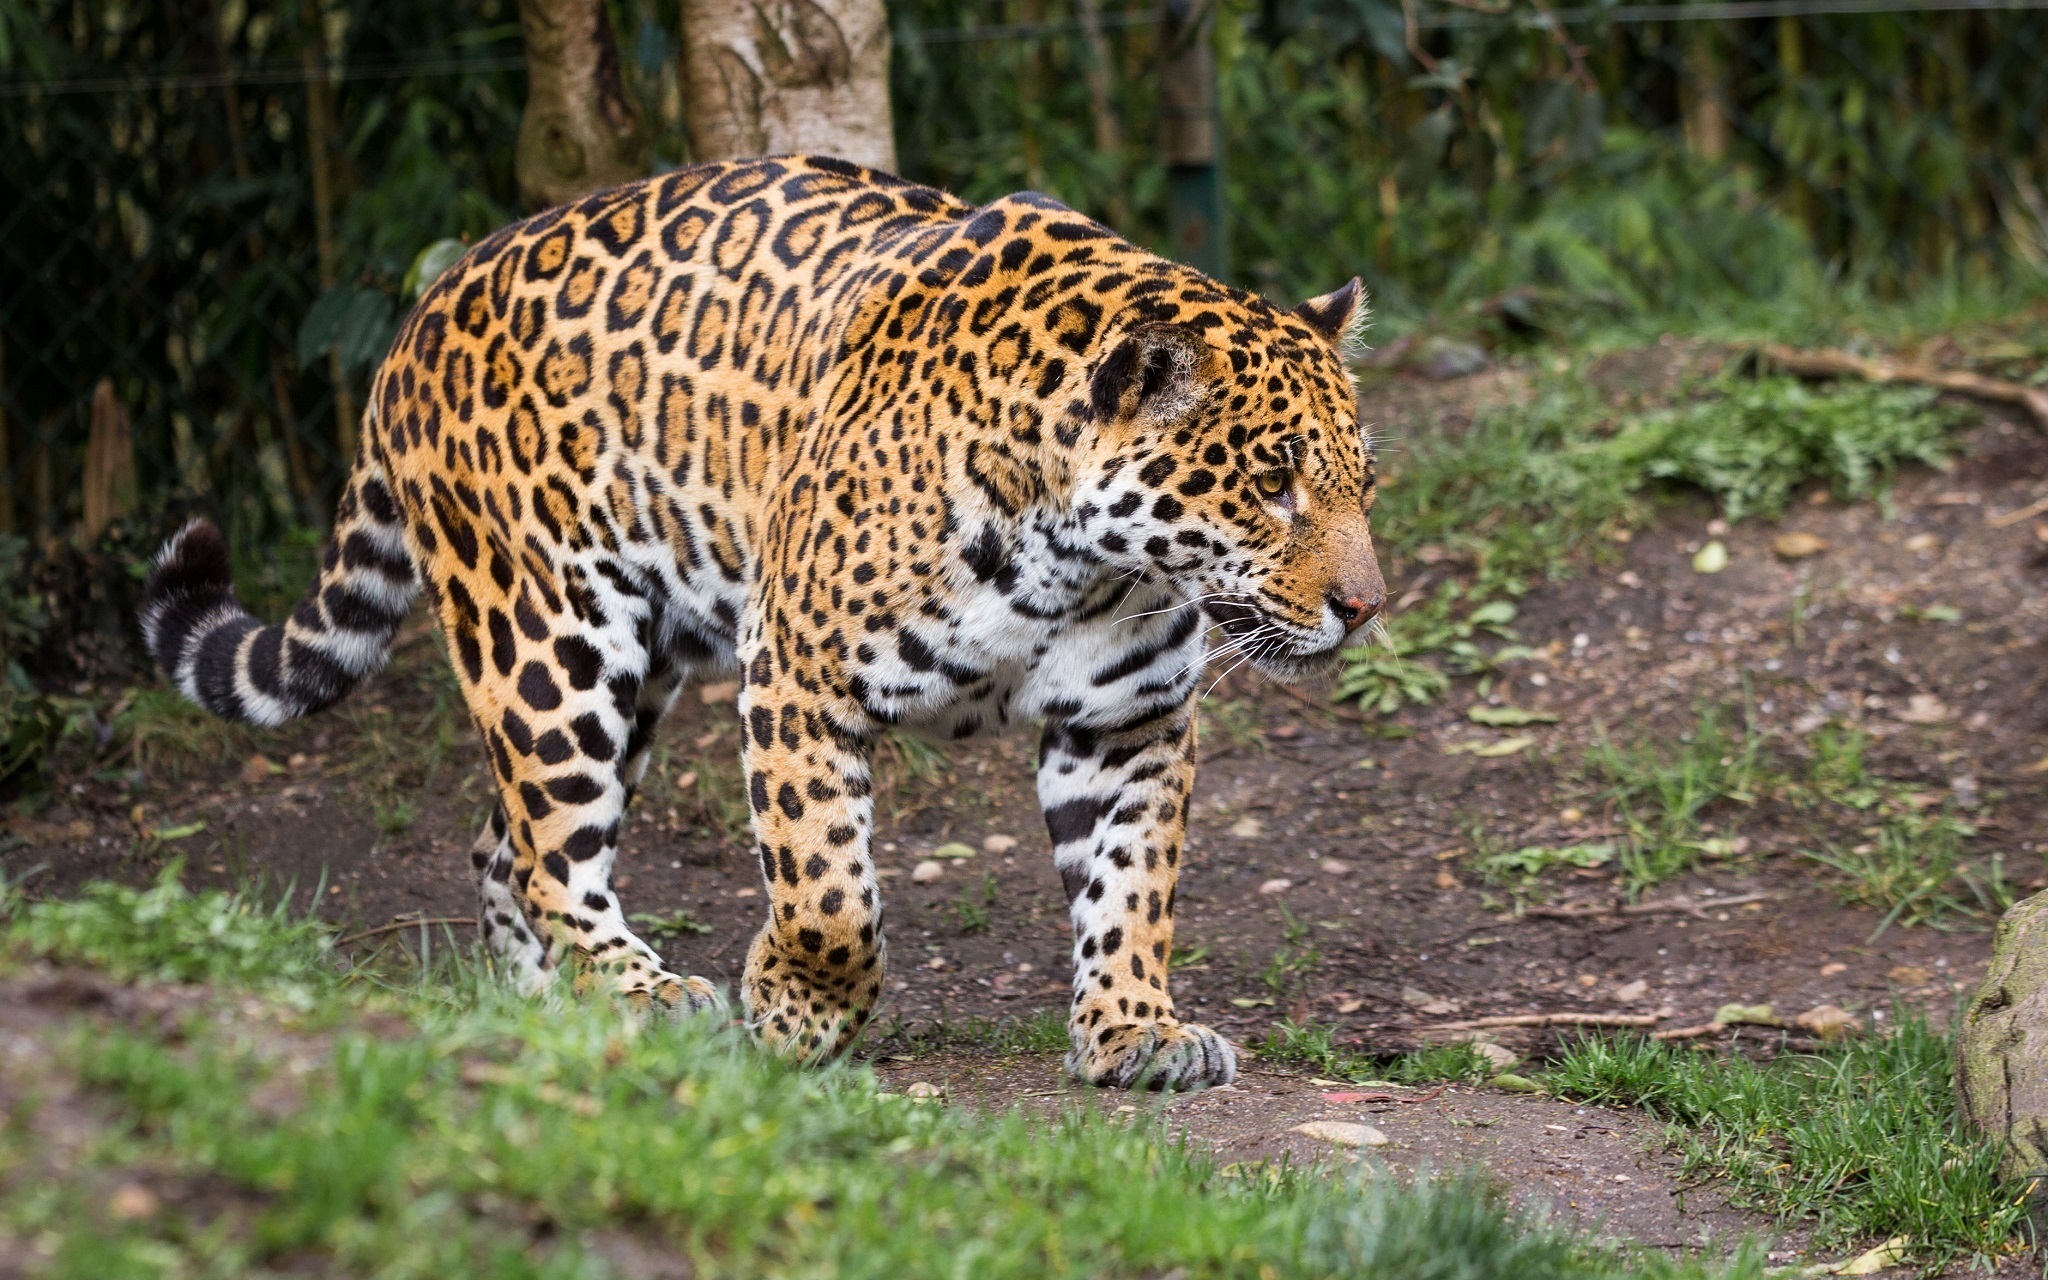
(1754, 443)
(1659, 794)
(1436, 1063)
(675, 924)
(1314, 1046)
(166, 934)
(1294, 959)
(1523, 867)
(1862, 1141)
(1913, 870)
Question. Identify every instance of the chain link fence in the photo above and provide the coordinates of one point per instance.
(209, 208)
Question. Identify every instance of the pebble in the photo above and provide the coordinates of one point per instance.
(1278, 884)
(999, 844)
(1344, 1133)
(1247, 828)
(927, 871)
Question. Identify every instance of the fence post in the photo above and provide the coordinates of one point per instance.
(1188, 129)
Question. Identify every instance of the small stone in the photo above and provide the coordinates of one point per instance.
(1630, 992)
(1923, 708)
(924, 1091)
(717, 692)
(1441, 358)
(257, 768)
(1445, 880)
(1798, 544)
(1343, 1133)
(1571, 815)
(1247, 828)
(1922, 542)
(1829, 1022)
(1910, 975)
(1711, 558)
(1278, 884)
(927, 871)
(999, 844)
(1332, 867)
(1833, 967)
(132, 1200)
(1498, 1056)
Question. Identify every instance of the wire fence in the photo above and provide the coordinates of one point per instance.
(209, 208)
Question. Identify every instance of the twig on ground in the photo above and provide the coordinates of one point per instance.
(2011, 518)
(1835, 364)
(1549, 1020)
(1685, 906)
(1692, 1033)
(396, 925)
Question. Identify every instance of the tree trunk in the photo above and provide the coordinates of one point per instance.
(579, 131)
(109, 481)
(2002, 1045)
(766, 77)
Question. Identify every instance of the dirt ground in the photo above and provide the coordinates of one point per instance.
(1306, 819)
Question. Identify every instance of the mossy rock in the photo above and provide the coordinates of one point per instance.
(2002, 1045)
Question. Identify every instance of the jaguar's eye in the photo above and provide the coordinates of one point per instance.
(1272, 483)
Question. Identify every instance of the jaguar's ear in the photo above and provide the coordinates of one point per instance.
(1154, 374)
(1338, 315)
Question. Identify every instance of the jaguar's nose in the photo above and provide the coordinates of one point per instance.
(1356, 610)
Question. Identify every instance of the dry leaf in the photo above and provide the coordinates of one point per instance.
(721, 691)
(257, 768)
(953, 851)
(1799, 544)
(1247, 828)
(1886, 1256)
(1343, 1133)
(1923, 708)
(1833, 967)
(1829, 1022)
(1754, 1015)
(1910, 975)
(1711, 558)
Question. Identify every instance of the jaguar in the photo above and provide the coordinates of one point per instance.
(901, 463)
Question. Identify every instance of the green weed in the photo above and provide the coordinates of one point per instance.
(675, 924)
(1659, 795)
(1522, 868)
(1436, 1063)
(1913, 871)
(1862, 1141)
(970, 911)
(168, 735)
(1294, 959)
(1756, 441)
(1314, 1046)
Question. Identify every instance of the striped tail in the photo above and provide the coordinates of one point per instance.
(238, 668)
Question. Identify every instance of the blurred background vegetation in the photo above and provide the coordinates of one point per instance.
(214, 212)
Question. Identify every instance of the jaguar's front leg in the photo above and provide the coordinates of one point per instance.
(1116, 803)
(814, 971)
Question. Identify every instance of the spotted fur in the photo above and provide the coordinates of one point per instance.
(896, 459)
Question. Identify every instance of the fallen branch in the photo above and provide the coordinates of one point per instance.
(2011, 518)
(1549, 1020)
(1692, 1033)
(1835, 364)
(1685, 906)
(396, 925)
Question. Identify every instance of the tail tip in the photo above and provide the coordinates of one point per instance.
(192, 575)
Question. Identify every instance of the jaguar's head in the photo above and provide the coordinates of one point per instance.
(1229, 462)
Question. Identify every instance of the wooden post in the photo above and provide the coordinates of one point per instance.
(1188, 134)
(1705, 94)
(1109, 142)
(763, 77)
(108, 485)
(580, 130)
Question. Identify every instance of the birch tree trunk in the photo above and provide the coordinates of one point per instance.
(767, 77)
(579, 131)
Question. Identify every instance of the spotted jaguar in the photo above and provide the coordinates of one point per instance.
(902, 463)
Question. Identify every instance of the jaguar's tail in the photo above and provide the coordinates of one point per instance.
(238, 668)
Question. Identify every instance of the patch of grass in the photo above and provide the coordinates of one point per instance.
(1314, 1046)
(168, 735)
(167, 934)
(1862, 1141)
(1521, 868)
(1039, 1031)
(1659, 795)
(1436, 1063)
(1235, 721)
(1837, 771)
(432, 1142)
(1294, 959)
(1914, 871)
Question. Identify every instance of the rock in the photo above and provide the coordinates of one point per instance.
(1833, 967)
(1910, 975)
(1923, 708)
(1630, 992)
(1711, 558)
(1445, 880)
(1332, 867)
(953, 851)
(1344, 1133)
(1498, 1056)
(1442, 358)
(2002, 1042)
(1278, 884)
(257, 768)
(927, 871)
(132, 1200)
(1247, 828)
(718, 692)
(1829, 1022)
(1798, 544)
(924, 1091)
(999, 844)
